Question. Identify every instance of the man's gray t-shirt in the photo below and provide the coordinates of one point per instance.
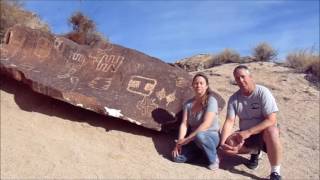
(194, 121)
(251, 109)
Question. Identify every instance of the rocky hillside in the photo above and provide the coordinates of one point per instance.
(45, 138)
(12, 13)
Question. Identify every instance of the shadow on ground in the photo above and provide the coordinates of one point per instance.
(31, 101)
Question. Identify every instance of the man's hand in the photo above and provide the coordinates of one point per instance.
(243, 135)
(233, 143)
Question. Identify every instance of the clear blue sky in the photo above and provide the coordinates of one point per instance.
(172, 30)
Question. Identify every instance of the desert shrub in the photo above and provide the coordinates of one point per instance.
(306, 60)
(84, 30)
(264, 52)
(226, 56)
(12, 13)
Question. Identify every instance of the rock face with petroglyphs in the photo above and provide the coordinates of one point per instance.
(110, 79)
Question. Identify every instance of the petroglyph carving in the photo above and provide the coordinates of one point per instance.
(106, 62)
(68, 74)
(26, 66)
(100, 83)
(15, 40)
(43, 48)
(77, 58)
(58, 44)
(181, 82)
(146, 105)
(74, 82)
(162, 95)
(170, 98)
(4, 53)
(141, 85)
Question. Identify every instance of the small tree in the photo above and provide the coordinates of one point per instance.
(264, 52)
(227, 56)
(84, 30)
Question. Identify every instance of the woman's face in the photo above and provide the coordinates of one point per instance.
(200, 85)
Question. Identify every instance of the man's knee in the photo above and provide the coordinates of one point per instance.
(271, 132)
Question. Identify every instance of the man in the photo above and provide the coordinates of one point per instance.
(256, 109)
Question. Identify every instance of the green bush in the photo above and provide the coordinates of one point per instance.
(264, 52)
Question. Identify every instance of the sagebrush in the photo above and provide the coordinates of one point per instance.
(304, 60)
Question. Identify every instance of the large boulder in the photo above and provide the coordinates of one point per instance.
(109, 79)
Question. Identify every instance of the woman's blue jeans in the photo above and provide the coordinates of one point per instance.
(205, 141)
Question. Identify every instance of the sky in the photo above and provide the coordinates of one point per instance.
(177, 29)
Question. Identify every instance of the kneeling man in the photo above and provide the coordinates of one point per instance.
(256, 109)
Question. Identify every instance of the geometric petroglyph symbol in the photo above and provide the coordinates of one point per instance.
(26, 66)
(106, 62)
(146, 105)
(77, 58)
(4, 56)
(100, 83)
(109, 47)
(17, 41)
(181, 82)
(58, 44)
(74, 81)
(162, 95)
(170, 98)
(43, 48)
(141, 85)
(68, 74)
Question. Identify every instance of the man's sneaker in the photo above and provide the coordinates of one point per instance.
(215, 165)
(275, 176)
(254, 161)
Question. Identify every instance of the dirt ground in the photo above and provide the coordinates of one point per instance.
(44, 138)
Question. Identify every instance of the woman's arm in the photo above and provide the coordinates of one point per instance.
(182, 133)
(205, 125)
(183, 126)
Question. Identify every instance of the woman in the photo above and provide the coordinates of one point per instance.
(200, 114)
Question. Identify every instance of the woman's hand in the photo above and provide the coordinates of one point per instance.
(183, 141)
(176, 151)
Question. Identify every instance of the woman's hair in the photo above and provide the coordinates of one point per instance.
(208, 91)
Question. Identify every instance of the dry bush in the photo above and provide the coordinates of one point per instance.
(264, 52)
(306, 60)
(226, 56)
(84, 30)
(12, 13)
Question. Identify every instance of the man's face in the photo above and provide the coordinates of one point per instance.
(243, 79)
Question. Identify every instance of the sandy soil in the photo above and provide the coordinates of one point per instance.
(45, 138)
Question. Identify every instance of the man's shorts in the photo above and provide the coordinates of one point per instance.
(255, 142)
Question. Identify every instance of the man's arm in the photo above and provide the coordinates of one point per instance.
(227, 129)
(270, 120)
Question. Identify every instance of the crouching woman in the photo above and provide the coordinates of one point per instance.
(200, 115)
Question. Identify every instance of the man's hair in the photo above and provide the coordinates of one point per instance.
(241, 67)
